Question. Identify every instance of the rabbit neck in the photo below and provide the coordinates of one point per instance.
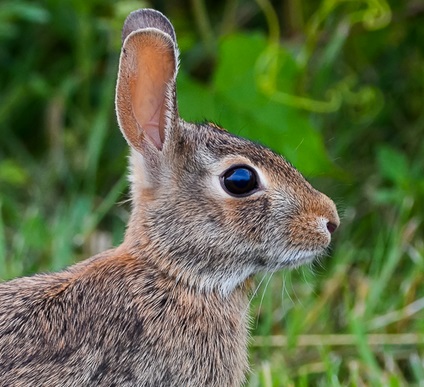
(188, 325)
(205, 270)
(179, 268)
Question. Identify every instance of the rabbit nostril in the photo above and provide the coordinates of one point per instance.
(331, 227)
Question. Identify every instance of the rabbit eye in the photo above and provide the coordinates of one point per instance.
(239, 181)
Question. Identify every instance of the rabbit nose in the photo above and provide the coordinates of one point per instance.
(331, 227)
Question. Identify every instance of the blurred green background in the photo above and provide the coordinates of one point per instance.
(335, 86)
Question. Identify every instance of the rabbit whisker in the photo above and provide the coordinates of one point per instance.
(263, 295)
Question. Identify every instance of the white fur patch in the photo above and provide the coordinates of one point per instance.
(138, 176)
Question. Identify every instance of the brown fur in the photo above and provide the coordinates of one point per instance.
(106, 321)
(168, 307)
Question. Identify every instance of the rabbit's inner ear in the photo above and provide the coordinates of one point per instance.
(146, 83)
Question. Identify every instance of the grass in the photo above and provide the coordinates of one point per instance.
(356, 317)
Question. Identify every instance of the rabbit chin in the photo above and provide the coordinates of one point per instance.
(227, 281)
(296, 258)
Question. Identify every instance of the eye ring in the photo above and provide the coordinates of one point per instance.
(239, 180)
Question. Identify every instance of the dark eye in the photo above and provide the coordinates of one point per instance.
(239, 181)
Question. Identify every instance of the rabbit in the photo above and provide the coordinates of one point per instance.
(169, 306)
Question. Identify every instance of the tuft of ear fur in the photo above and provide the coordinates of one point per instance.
(145, 91)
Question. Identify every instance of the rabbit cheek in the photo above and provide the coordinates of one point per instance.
(249, 217)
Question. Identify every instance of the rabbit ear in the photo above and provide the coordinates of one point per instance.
(145, 91)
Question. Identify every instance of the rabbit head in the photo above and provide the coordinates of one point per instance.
(209, 208)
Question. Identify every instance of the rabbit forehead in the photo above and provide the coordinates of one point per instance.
(219, 150)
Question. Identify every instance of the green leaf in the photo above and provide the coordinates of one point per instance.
(196, 102)
(393, 165)
(249, 113)
(235, 102)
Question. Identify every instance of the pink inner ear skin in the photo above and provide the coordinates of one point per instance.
(155, 68)
(147, 67)
(150, 128)
(154, 128)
